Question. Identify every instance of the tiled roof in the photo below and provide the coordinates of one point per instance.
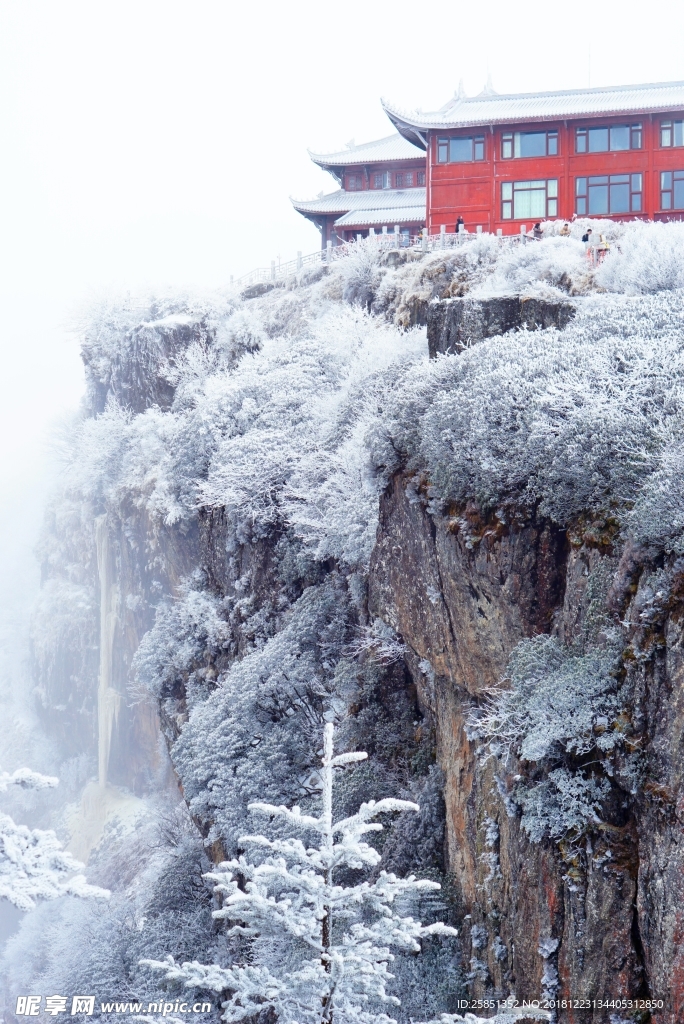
(393, 148)
(371, 199)
(490, 108)
(390, 217)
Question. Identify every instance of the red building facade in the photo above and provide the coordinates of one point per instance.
(503, 161)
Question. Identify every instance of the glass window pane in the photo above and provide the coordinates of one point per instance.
(553, 144)
(665, 200)
(553, 208)
(598, 140)
(552, 188)
(506, 147)
(666, 179)
(581, 206)
(442, 151)
(619, 179)
(598, 199)
(530, 203)
(619, 198)
(636, 183)
(507, 211)
(619, 136)
(581, 186)
(461, 150)
(507, 190)
(532, 143)
(636, 136)
(636, 202)
(479, 149)
(679, 195)
(600, 179)
(679, 133)
(516, 144)
(666, 134)
(581, 142)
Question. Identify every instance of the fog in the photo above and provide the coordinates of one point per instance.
(154, 145)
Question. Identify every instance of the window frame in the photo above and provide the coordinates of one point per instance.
(508, 192)
(670, 189)
(420, 178)
(675, 129)
(635, 133)
(478, 149)
(512, 140)
(583, 196)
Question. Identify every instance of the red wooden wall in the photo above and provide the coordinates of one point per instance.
(472, 190)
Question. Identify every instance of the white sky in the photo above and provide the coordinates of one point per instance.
(156, 142)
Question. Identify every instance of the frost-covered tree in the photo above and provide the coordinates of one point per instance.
(33, 865)
(331, 940)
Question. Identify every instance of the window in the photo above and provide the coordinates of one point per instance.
(608, 194)
(460, 150)
(408, 179)
(672, 190)
(522, 144)
(383, 180)
(399, 180)
(529, 200)
(672, 133)
(354, 182)
(615, 138)
(421, 177)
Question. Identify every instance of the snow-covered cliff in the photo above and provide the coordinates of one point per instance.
(280, 511)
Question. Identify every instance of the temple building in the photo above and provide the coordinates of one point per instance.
(504, 161)
(382, 184)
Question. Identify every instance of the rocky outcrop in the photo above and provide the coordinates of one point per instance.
(456, 324)
(596, 919)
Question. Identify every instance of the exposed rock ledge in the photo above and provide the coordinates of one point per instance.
(456, 324)
(595, 922)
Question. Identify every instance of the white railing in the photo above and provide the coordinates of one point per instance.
(385, 240)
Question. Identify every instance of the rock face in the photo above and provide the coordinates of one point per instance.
(602, 919)
(456, 324)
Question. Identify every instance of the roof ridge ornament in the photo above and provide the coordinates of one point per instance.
(489, 89)
(460, 93)
(351, 144)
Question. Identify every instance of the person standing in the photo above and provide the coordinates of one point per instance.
(460, 225)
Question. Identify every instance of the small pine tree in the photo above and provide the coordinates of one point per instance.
(33, 864)
(344, 932)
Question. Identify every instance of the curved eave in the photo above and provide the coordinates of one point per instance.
(410, 132)
(415, 126)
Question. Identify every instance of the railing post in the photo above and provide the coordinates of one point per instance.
(442, 236)
(299, 259)
(371, 232)
(424, 240)
(499, 232)
(328, 251)
(359, 237)
(479, 229)
(273, 274)
(523, 232)
(396, 236)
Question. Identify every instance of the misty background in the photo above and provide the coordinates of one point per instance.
(153, 145)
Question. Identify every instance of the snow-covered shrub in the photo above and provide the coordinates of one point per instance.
(562, 422)
(550, 266)
(557, 701)
(559, 704)
(648, 258)
(562, 803)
